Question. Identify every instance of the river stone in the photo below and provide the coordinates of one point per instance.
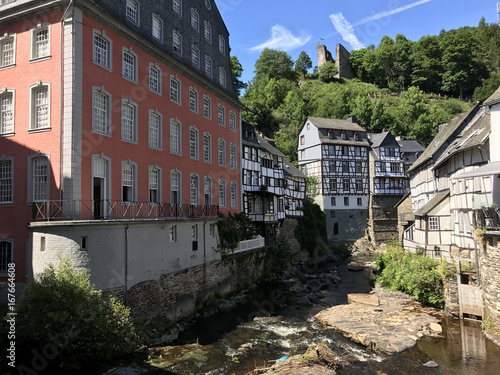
(436, 327)
(355, 267)
(365, 299)
(430, 364)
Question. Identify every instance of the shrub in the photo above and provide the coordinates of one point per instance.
(62, 306)
(311, 230)
(328, 72)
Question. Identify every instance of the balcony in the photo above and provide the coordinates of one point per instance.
(488, 218)
(387, 190)
(115, 210)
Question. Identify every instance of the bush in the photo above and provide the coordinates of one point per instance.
(414, 274)
(61, 306)
(328, 72)
(311, 230)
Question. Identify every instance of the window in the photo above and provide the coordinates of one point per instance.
(194, 236)
(155, 78)
(195, 56)
(233, 194)
(193, 100)
(222, 153)
(175, 90)
(40, 106)
(40, 41)
(207, 107)
(232, 121)
(221, 115)
(222, 193)
(333, 201)
(433, 223)
(359, 184)
(195, 19)
(6, 112)
(302, 140)
(333, 185)
(154, 185)
(7, 51)
(102, 49)
(331, 167)
(172, 233)
(395, 167)
(194, 192)
(360, 201)
(330, 134)
(84, 243)
(357, 151)
(345, 167)
(207, 148)
(129, 120)
(177, 6)
(129, 178)
(208, 31)
(356, 136)
(382, 167)
(207, 189)
(208, 66)
(193, 143)
(157, 28)
(175, 137)
(132, 11)
(129, 64)
(6, 180)
(211, 230)
(346, 201)
(177, 42)
(232, 157)
(345, 150)
(101, 114)
(175, 187)
(6, 254)
(39, 169)
(222, 77)
(222, 45)
(343, 135)
(155, 129)
(345, 185)
(357, 167)
(302, 154)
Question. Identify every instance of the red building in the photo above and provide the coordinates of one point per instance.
(112, 112)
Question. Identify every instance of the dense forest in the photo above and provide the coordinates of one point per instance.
(409, 88)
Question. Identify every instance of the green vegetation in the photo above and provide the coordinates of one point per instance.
(62, 309)
(311, 230)
(231, 230)
(414, 274)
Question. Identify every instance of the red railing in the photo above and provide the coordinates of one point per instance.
(113, 210)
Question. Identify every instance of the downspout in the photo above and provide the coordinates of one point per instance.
(61, 93)
(125, 267)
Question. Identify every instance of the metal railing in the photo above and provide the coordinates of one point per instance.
(113, 210)
(488, 218)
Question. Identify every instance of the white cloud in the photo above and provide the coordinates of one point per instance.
(346, 30)
(282, 39)
(389, 13)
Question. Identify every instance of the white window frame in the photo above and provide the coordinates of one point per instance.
(208, 66)
(134, 125)
(222, 45)
(6, 180)
(207, 107)
(221, 114)
(222, 77)
(207, 31)
(31, 178)
(207, 147)
(152, 82)
(157, 24)
(433, 222)
(158, 144)
(97, 58)
(193, 99)
(7, 116)
(232, 120)
(133, 188)
(7, 260)
(175, 174)
(107, 114)
(33, 117)
(131, 14)
(175, 89)
(34, 56)
(151, 184)
(195, 56)
(175, 139)
(195, 20)
(131, 73)
(177, 42)
(222, 192)
(207, 190)
(172, 233)
(233, 161)
(194, 189)
(7, 38)
(234, 194)
(177, 7)
(221, 152)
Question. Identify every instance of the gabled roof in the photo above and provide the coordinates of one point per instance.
(249, 140)
(493, 99)
(381, 139)
(438, 198)
(336, 124)
(291, 170)
(442, 138)
(409, 146)
(268, 147)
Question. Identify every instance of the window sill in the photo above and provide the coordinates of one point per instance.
(8, 66)
(156, 92)
(103, 66)
(36, 59)
(101, 133)
(129, 141)
(41, 130)
(130, 79)
(156, 148)
(10, 134)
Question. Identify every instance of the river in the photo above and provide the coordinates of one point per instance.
(233, 342)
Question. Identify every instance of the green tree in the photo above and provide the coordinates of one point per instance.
(427, 68)
(311, 229)
(328, 72)
(236, 71)
(488, 87)
(274, 64)
(62, 303)
(303, 64)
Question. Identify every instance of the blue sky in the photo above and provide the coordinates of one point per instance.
(293, 26)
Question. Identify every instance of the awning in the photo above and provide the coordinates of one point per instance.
(438, 198)
(486, 170)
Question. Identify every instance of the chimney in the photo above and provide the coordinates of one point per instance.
(400, 138)
(352, 119)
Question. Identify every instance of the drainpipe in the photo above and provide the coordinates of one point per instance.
(61, 57)
(204, 240)
(125, 267)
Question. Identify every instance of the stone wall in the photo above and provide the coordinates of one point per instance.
(405, 216)
(343, 63)
(489, 270)
(383, 218)
(324, 55)
(350, 224)
(451, 306)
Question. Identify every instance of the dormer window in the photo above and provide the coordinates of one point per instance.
(356, 136)
(330, 134)
(344, 135)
